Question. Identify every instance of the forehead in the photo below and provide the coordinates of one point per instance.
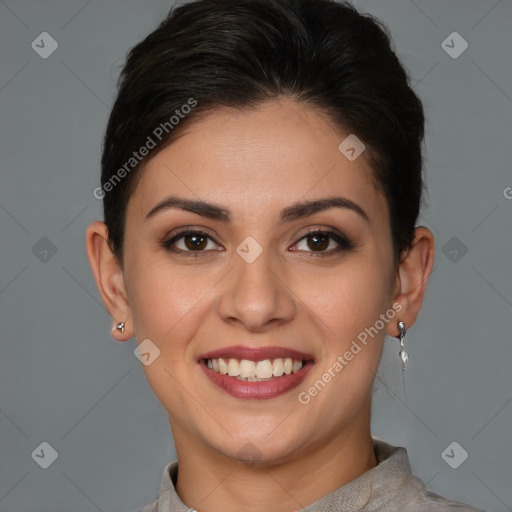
(254, 160)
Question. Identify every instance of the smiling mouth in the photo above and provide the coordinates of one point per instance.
(255, 371)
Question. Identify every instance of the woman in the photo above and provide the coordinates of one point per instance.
(261, 180)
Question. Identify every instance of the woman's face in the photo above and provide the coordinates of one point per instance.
(254, 286)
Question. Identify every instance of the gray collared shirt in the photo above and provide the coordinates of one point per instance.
(388, 487)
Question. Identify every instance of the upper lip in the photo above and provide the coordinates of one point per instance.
(255, 353)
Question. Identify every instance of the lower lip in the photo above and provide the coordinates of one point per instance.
(257, 390)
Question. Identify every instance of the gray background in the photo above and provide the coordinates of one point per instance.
(64, 381)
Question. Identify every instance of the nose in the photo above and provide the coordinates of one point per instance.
(256, 294)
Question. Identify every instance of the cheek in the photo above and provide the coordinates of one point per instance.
(349, 299)
(161, 296)
(349, 304)
(165, 304)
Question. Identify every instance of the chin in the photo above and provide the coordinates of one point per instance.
(260, 448)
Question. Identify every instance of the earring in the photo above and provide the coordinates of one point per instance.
(119, 327)
(404, 356)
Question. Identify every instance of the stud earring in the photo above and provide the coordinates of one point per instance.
(119, 327)
(404, 356)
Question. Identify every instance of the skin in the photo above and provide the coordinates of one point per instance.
(254, 163)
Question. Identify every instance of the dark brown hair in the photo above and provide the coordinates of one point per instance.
(210, 53)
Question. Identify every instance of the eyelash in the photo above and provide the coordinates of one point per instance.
(344, 244)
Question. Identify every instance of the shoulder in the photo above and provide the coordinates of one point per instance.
(152, 507)
(404, 491)
(167, 498)
(421, 499)
(431, 502)
(413, 496)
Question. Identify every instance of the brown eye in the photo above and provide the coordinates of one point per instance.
(189, 241)
(195, 242)
(319, 241)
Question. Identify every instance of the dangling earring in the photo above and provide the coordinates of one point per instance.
(404, 356)
(119, 327)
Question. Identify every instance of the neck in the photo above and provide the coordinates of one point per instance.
(210, 482)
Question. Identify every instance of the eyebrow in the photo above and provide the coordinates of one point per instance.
(295, 211)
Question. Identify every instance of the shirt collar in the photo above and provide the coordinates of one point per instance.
(390, 474)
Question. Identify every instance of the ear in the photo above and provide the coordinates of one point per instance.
(108, 274)
(411, 280)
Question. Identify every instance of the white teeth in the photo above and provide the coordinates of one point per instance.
(247, 368)
(264, 369)
(297, 365)
(278, 367)
(251, 371)
(233, 368)
(223, 366)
